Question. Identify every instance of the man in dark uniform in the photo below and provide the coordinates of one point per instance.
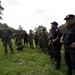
(25, 36)
(56, 35)
(6, 39)
(40, 40)
(69, 43)
(36, 39)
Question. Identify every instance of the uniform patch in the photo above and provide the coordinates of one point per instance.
(56, 30)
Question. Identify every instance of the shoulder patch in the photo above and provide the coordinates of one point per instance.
(56, 30)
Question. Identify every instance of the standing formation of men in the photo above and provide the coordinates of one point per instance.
(49, 43)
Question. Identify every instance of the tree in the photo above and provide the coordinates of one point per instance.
(62, 27)
(39, 29)
(20, 28)
(1, 9)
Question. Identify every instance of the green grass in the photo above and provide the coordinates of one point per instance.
(28, 62)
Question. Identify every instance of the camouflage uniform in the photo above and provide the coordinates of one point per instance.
(19, 41)
(51, 44)
(31, 39)
(44, 41)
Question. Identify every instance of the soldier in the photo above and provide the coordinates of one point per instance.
(16, 38)
(56, 35)
(31, 37)
(25, 36)
(19, 41)
(40, 40)
(6, 39)
(69, 43)
(44, 41)
(51, 44)
(36, 39)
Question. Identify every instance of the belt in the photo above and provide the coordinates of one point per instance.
(67, 46)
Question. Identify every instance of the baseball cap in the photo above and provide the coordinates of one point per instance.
(54, 23)
(71, 16)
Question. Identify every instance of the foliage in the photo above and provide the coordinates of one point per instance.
(39, 29)
(1, 9)
(62, 27)
(20, 28)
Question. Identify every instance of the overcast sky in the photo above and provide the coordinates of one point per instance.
(32, 13)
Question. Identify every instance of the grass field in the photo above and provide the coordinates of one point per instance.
(28, 62)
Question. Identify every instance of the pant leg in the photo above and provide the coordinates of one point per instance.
(57, 56)
(5, 46)
(24, 41)
(68, 60)
(51, 51)
(31, 43)
(72, 55)
(10, 45)
(58, 59)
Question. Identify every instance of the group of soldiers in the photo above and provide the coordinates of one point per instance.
(68, 41)
(49, 43)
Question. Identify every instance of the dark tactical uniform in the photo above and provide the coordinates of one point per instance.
(25, 38)
(69, 38)
(40, 40)
(16, 38)
(56, 46)
(31, 37)
(36, 39)
(6, 39)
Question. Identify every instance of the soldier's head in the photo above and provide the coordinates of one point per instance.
(54, 25)
(70, 19)
(30, 31)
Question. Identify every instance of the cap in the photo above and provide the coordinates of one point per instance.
(71, 16)
(54, 23)
(30, 30)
